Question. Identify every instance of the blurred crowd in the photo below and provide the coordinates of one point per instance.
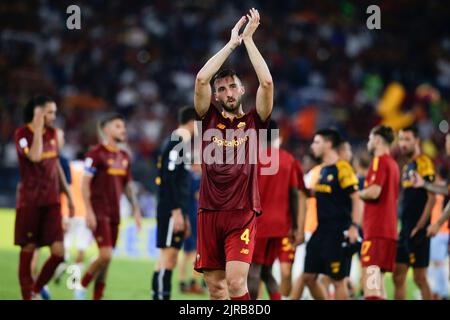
(141, 57)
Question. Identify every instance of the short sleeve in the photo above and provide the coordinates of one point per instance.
(425, 168)
(259, 124)
(293, 179)
(347, 177)
(377, 173)
(91, 163)
(23, 143)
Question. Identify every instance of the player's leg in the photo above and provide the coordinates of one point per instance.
(399, 278)
(298, 287)
(286, 279)
(217, 284)
(51, 234)
(271, 283)
(254, 279)
(341, 290)
(420, 279)
(317, 290)
(105, 256)
(25, 276)
(236, 274)
(373, 283)
(182, 272)
(162, 277)
(56, 257)
(35, 264)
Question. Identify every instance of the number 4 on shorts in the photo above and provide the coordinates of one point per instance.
(245, 236)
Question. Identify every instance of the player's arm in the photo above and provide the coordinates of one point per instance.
(426, 214)
(372, 192)
(91, 221)
(202, 92)
(264, 95)
(36, 149)
(131, 196)
(357, 208)
(301, 220)
(66, 190)
(293, 210)
(420, 182)
(174, 165)
(434, 228)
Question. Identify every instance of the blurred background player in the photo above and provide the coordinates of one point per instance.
(437, 271)
(76, 234)
(38, 217)
(229, 193)
(380, 195)
(107, 176)
(338, 210)
(64, 162)
(413, 248)
(174, 181)
(186, 264)
(280, 206)
(289, 245)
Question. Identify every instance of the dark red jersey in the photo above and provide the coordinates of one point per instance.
(39, 181)
(229, 163)
(274, 190)
(110, 170)
(380, 216)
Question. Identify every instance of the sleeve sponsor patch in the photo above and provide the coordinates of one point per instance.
(23, 143)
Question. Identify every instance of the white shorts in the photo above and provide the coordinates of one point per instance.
(439, 247)
(77, 234)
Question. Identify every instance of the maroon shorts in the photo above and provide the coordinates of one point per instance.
(379, 252)
(266, 250)
(286, 253)
(224, 236)
(41, 226)
(106, 233)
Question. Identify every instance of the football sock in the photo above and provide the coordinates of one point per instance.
(25, 278)
(246, 296)
(275, 296)
(87, 278)
(373, 298)
(47, 272)
(162, 283)
(98, 290)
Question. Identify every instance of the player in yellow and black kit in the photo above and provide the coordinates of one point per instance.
(338, 210)
(413, 248)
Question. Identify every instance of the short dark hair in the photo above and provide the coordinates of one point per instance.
(33, 103)
(384, 132)
(110, 117)
(412, 128)
(331, 135)
(223, 74)
(342, 143)
(186, 114)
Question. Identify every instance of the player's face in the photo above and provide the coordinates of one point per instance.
(407, 143)
(229, 92)
(371, 143)
(116, 129)
(345, 152)
(50, 114)
(447, 144)
(318, 146)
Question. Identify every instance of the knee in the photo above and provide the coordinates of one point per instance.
(236, 284)
(420, 279)
(105, 258)
(399, 279)
(309, 279)
(217, 290)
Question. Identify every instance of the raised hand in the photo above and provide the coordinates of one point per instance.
(236, 39)
(38, 118)
(252, 25)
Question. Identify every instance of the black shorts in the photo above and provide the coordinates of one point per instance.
(164, 232)
(414, 252)
(325, 254)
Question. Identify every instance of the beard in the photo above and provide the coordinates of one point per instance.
(408, 153)
(119, 139)
(229, 108)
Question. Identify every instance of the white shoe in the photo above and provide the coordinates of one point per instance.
(79, 294)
